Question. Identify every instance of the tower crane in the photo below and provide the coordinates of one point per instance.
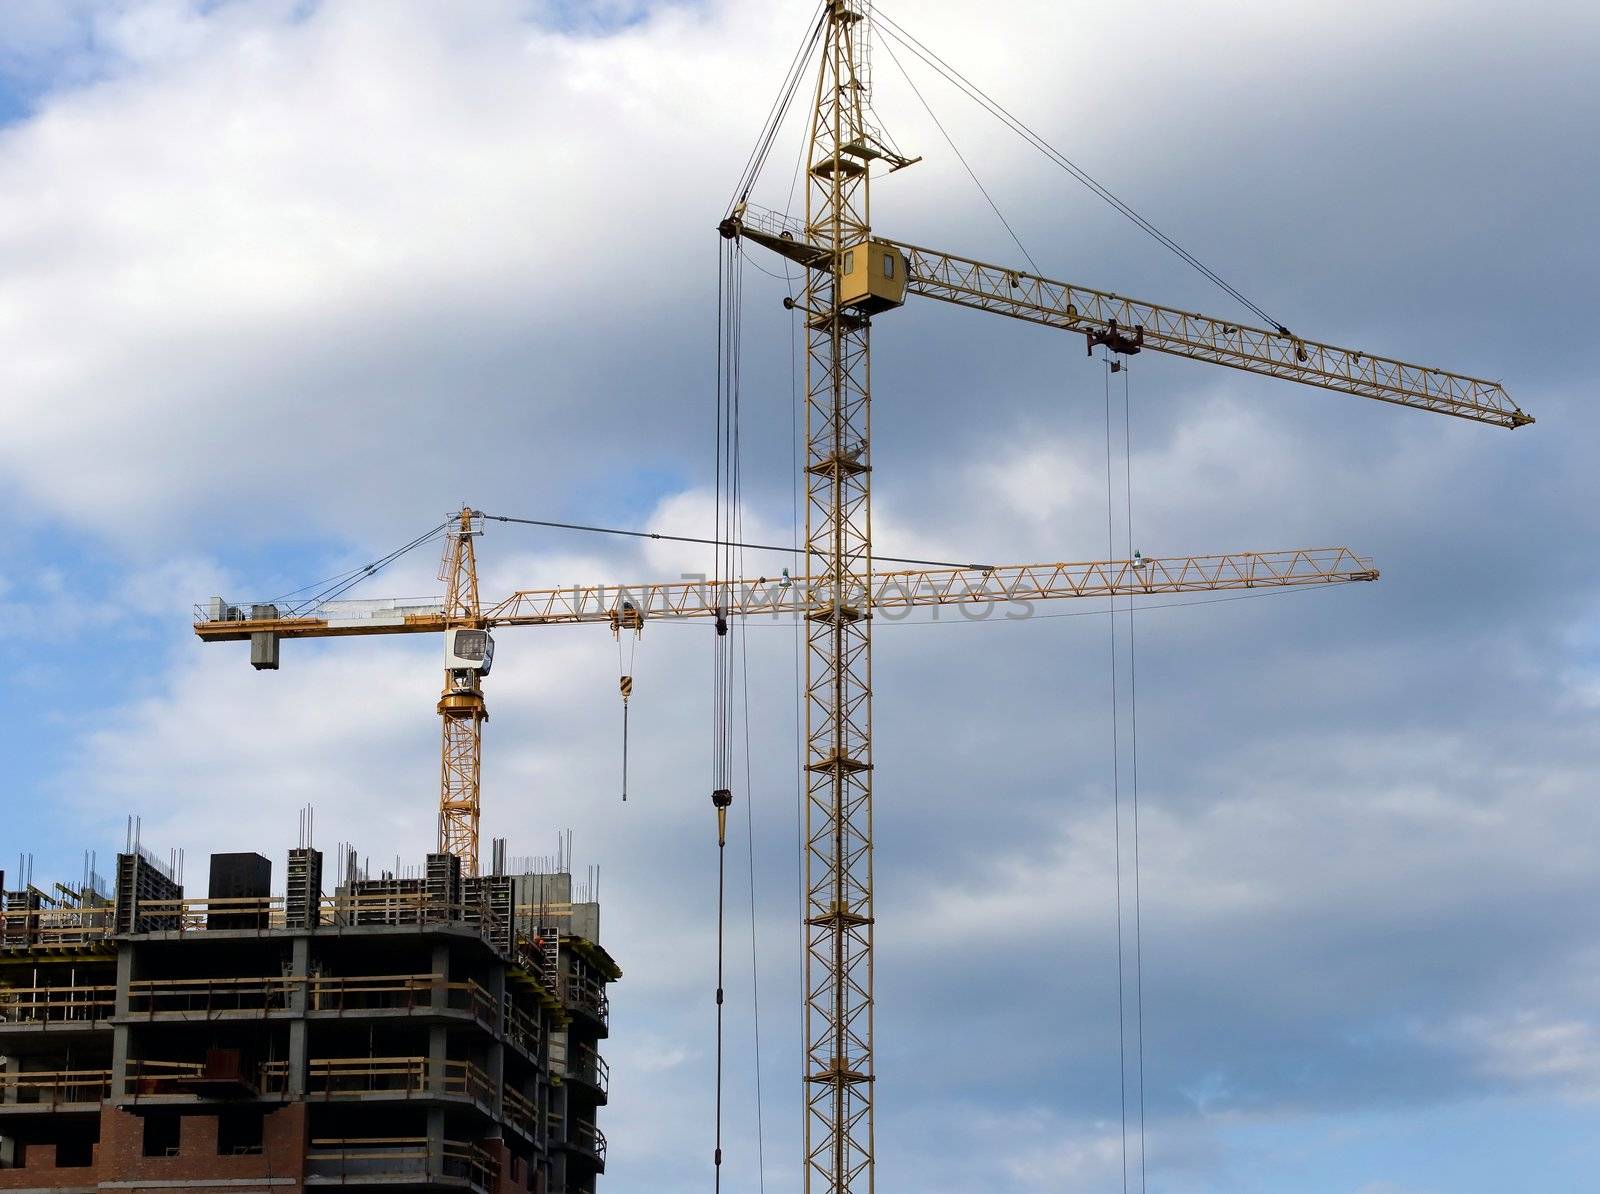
(851, 275)
(466, 621)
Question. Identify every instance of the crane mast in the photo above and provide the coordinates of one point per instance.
(462, 710)
(849, 276)
(838, 673)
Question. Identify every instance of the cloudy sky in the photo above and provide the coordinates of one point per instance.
(283, 282)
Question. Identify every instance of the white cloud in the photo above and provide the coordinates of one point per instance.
(278, 282)
(273, 267)
(1536, 1049)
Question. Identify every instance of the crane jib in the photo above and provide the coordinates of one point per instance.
(630, 605)
(1273, 353)
(1124, 326)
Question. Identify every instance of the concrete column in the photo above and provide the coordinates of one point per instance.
(438, 1051)
(439, 997)
(299, 969)
(440, 993)
(8, 1146)
(121, 1033)
(496, 1066)
(436, 1140)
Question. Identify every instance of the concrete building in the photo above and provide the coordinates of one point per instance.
(430, 1031)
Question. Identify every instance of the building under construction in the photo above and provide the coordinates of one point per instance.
(429, 1030)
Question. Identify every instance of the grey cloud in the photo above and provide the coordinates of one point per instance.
(1365, 810)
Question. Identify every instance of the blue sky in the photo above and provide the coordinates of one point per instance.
(282, 284)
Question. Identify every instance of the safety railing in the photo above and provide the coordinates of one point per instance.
(521, 1113)
(405, 908)
(153, 1077)
(54, 1087)
(464, 1078)
(333, 1077)
(589, 995)
(62, 927)
(56, 1005)
(369, 1157)
(398, 992)
(342, 993)
(367, 908)
(362, 993)
(773, 223)
(586, 1065)
(209, 996)
(588, 1138)
(79, 927)
(472, 1163)
(521, 1029)
(471, 997)
(375, 1158)
(195, 915)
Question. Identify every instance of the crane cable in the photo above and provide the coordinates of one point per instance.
(731, 673)
(1116, 782)
(342, 582)
(1116, 806)
(797, 643)
(961, 83)
(625, 677)
(726, 563)
(721, 541)
(750, 857)
(960, 157)
(780, 108)
(1133, 759)
(728, 274)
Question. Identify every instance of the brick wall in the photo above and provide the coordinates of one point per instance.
(120, 1155)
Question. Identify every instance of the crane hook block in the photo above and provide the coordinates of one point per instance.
(1115, 339)
(722, 797)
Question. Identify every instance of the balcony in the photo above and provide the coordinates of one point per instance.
(207, 998)
(213, 998)
(400, 992)
(372, 1077)
(400, 1160)
(224, 1074)
(522, 1030)
(589, 1140)
(521, 1113)
(585, 994)
(585, 1065)
(54, 1089)
(81, 1006)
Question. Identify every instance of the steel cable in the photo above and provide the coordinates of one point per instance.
(956, 79)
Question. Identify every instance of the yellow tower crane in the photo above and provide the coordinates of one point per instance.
(850, 275)
(468, 655)
(465, 621)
